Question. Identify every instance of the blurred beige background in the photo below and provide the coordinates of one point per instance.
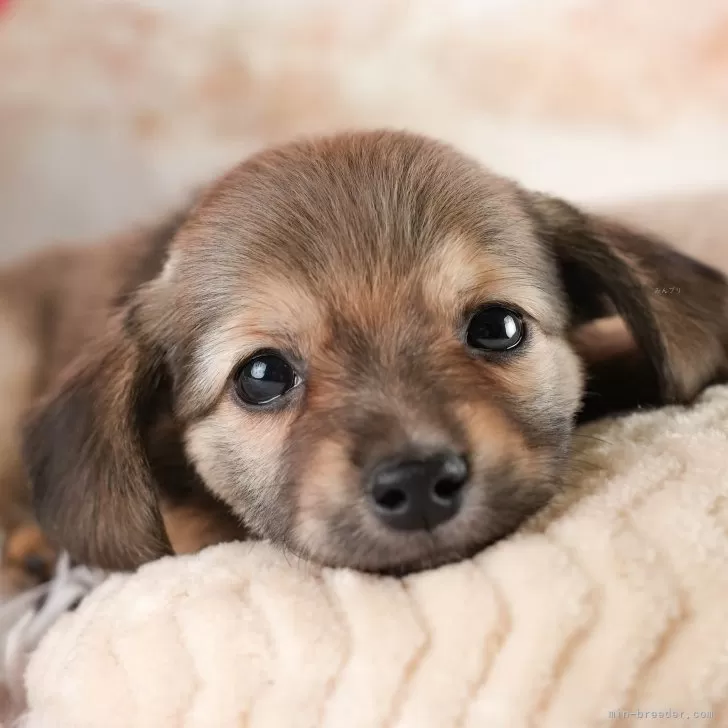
(111, 111)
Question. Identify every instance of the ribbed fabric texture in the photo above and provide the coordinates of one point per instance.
(614, 601)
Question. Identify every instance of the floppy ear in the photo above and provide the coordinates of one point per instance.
(667, 335)
(93, 487)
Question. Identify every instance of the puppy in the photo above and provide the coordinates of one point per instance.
(365, 348)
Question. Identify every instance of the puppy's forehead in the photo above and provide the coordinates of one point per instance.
(356, 211)
(362, 229)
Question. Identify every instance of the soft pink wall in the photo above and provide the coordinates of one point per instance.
(111, 110)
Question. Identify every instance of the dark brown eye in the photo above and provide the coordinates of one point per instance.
(264, 378)
(495, 328)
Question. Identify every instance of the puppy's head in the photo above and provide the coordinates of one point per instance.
(374, 351)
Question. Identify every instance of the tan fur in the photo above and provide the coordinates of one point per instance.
(265, 317)
(27, 559)
(18, 372)
(320, 492)
(219, 432)
(191, 528)
(458, 275)
(603, 339)
(360, 258)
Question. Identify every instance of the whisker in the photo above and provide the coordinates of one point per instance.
(595, 438)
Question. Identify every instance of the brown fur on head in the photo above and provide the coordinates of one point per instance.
(360, 259)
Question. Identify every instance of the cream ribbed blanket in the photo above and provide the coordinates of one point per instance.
(614, 601)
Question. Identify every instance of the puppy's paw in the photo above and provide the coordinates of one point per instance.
(27, 560)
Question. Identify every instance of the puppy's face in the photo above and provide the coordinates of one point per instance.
(376, 365)
(368, 340)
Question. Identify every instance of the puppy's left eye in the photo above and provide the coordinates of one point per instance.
(264, 378)
(495, 328)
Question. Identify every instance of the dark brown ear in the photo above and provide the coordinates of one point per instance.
(93, 488)
(671, 337)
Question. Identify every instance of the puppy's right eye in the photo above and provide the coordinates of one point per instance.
(264, 378)
(495, 328)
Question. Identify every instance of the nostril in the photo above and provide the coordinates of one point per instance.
(452, 478)
(448, 489)
(390, 499)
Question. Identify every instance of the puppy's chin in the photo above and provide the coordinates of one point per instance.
(352, 538)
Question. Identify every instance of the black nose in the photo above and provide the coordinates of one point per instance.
(413, 494)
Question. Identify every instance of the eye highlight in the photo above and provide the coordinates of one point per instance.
(263, 378)
(495, 328)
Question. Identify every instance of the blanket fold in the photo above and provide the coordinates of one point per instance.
(609, 608)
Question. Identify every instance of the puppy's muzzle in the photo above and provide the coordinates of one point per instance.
(420, 493)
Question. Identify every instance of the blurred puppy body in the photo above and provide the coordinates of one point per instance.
(366, 348)
(52, 307)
